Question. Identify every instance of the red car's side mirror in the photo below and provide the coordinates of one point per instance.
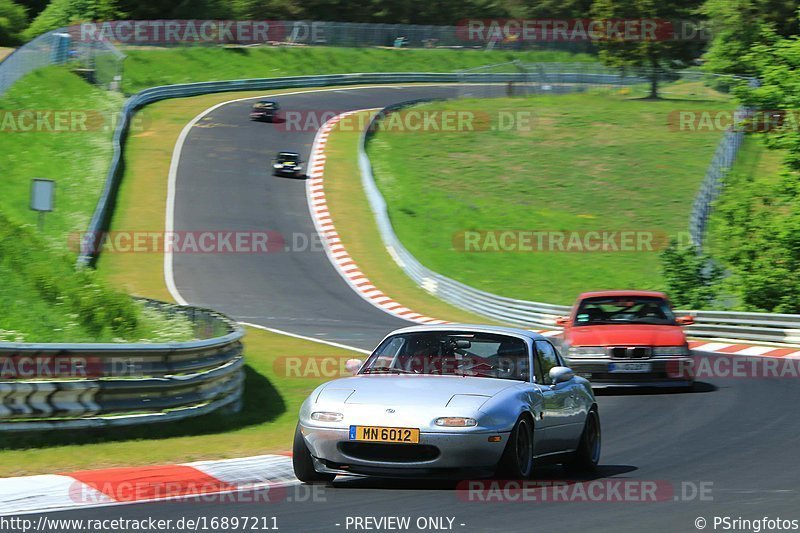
(562, 321)
(685, 320)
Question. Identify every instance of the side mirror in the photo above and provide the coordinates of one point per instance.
(685, 320)
(560, 374)
(353, 365)
(562, 321)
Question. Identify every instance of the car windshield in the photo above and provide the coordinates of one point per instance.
(264, 105)
(624, 310)
(288, 158)
(451, 353)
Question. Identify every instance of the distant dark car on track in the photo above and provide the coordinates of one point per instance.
(287, 164)
(265, 111)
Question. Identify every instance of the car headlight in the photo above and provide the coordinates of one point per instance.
(323, 416)
(587, 351)
(671, 350)
(456, 422)
(276, 165)
(298, 167)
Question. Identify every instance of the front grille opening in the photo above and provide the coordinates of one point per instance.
(631, 352)
(389, 453)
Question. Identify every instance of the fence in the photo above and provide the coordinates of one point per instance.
(759, 327)
(541, 77)
(724, 158)
(99, 61)
(124, 384)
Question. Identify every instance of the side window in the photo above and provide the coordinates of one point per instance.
(546, 359)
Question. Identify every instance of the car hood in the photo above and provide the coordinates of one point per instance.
(626, 335)
(409, 390)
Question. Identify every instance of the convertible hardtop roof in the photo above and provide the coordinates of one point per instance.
(500, 330)
(288, 154)
(265, 103)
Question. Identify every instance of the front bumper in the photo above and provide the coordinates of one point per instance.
(261, 116)
(455, 453)
(286, 172)
(663, 372)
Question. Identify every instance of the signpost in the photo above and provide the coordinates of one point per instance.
(42, 197)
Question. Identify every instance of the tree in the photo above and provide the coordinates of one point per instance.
(691, 278)
(60, 13)
(12, 22)
(737, 25)
(653, 57)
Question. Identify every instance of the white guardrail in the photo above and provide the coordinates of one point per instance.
(756, 327)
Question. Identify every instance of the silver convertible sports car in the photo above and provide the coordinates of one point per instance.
(449, 401)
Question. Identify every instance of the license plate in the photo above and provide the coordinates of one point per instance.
(381, 434)
(629, 367)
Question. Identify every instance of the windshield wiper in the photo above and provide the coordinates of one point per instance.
(386, 370)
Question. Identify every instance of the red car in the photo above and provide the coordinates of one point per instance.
(627, 338)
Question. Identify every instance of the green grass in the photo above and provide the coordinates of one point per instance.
(272, 399)
(591, 161)
(149, 67)
(76, 160)
(355, 224)
(265, 425)
(43, 298)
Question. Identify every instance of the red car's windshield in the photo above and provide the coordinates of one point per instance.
(451, 353)
(624, 310)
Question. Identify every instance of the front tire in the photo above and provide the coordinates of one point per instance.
(303, 463)
(587, 456)
(517, 459)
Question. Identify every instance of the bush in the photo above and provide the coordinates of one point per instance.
(691, 278)
(12, 21)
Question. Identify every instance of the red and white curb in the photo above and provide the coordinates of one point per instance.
(348, 269)
(745, 350)
(116, 486)
(344, 264)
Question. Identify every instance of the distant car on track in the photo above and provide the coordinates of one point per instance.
(627, 338)
(265, 111)
(449, 401)
(287, 164)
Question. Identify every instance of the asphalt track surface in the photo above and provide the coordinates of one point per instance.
(738, 438)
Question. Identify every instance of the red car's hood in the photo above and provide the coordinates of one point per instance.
(626, 335)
